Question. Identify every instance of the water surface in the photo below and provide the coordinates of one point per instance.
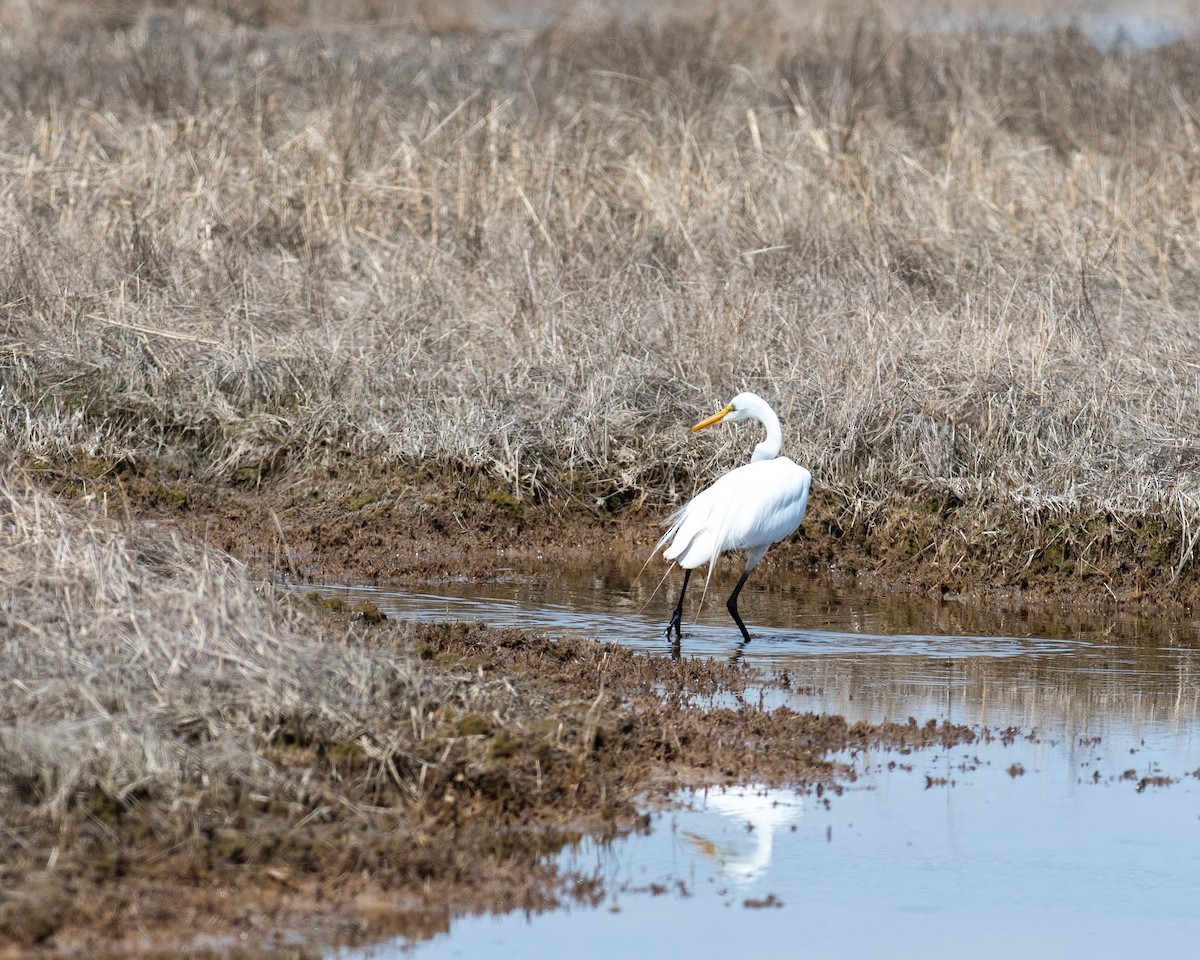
(1071, 828)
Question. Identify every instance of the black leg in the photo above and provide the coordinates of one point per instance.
(731, 605)
(677, 616)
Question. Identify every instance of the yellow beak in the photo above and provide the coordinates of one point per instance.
(715, 418)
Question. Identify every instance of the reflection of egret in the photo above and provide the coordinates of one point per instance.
(762, 812)
(749, 508)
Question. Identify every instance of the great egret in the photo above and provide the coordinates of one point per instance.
(749, 508)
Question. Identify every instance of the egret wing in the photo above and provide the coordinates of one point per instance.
(752, 506)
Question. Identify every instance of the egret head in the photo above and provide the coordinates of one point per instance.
(742, 407)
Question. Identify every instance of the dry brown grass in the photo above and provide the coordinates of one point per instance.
(156, 701)
(961, 264)
(137, 668)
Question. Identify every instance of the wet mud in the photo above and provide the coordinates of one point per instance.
(420, 526)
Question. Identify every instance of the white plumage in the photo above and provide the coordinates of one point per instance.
(749, 508)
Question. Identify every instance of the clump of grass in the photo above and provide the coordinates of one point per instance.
(141, 669)
(162, 715)
(961, 263)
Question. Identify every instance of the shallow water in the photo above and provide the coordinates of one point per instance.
(1080, 835)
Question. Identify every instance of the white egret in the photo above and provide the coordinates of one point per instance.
(749, 508)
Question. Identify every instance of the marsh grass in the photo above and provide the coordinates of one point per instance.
(962, 264)
(242, 242)
(142, 673)
(136, 665)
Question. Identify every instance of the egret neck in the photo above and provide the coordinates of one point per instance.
(770, 447)
(749, 406)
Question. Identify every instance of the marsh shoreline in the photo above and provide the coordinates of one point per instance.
(425, 526)
(125, 884)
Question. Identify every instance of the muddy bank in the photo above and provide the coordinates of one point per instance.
(420, 525)
(574, 737)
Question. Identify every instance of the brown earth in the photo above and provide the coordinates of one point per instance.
(420, 525)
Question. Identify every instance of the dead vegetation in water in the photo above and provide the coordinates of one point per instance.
(245, 243)
(182, 751)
